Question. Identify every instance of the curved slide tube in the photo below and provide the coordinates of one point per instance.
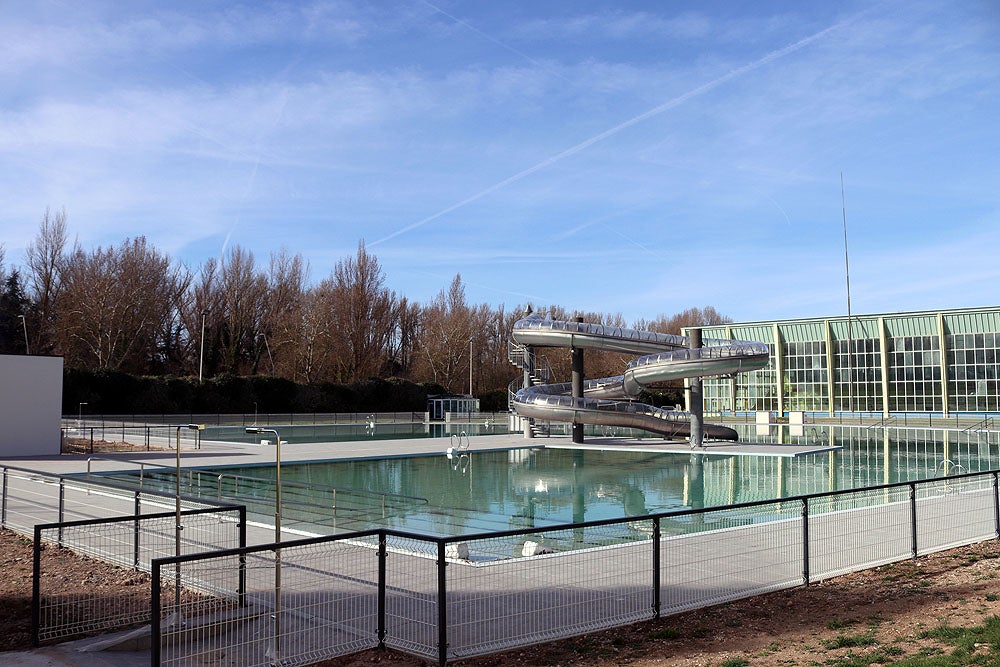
(606, 400)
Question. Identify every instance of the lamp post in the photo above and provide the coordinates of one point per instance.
(470, 367)
(79, 418)
(24, 324)
(268, 347)
(178, 527)
(277, 538)
(201, 355)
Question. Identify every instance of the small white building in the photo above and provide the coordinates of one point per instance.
(438, 407)
(30, 405)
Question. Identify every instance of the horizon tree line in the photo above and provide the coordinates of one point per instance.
(131, 308)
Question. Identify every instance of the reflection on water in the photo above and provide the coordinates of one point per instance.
(533, 488)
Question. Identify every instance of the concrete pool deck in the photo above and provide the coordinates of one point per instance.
(212, 454)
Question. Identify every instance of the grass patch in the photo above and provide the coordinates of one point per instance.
(735, 662)
(850, 641)
(979, 645)
(665, 633)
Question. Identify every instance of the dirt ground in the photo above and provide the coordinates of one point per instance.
(877, 615)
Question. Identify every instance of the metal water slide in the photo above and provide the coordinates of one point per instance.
(608, 401)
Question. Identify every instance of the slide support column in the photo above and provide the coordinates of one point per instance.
(697, 400)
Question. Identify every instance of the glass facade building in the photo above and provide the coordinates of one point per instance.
(935, 362)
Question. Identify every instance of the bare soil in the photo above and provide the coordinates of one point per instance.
(877, 615)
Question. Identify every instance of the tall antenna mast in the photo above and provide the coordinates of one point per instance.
(850, 333)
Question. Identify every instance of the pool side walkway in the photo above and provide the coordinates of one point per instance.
(712, 448)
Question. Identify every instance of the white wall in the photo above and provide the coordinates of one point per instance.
(30, 405)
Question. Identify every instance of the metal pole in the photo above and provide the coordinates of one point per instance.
(201, 355)
(277, 550)
(442, 600)
(276, 657)
(157, 612)
(36, 586)
(135, 533)
(177, 530)
(242, 586)
(850, 334)
(382, 552)
(805, 541)
(25, 325)
(996, 505)
(913, 519)
(470, 368)
(656, 566)
(178, 527)
(62, 507)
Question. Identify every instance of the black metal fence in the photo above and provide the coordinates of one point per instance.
(446, 598)
(60, 611)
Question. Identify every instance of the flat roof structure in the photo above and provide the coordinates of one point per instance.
(933, 362)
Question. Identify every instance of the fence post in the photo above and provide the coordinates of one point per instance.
(382, 552)
(3, 501)
(996, 506)
(91, 439)
(242, 581)
(913, 519)
(36, 586)
(154, 614)
(442, 619)
(805, 541)
(656, 567)
(135, 530)
(62, 507)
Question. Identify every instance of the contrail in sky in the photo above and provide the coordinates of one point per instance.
(655, 111)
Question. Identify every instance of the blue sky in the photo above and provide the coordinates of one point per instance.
(640, 158)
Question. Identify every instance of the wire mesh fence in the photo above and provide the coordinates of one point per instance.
(451, 598)
(121, 599)
(553, 583)
(29, 497)
(299, 603)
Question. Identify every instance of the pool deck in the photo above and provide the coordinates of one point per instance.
(213, 454)
(683, 447)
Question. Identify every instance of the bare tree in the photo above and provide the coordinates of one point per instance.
(313, 342)
(114, 306)
(242, 304)
(408, 319)
(691, 317)
(285, 294)
(363, 317)
(444, 338)
(45, 257)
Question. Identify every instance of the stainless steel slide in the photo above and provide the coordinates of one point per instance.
(607, 401)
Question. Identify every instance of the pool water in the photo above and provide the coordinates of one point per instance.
(537, 487)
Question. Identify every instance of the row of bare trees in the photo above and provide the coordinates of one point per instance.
(131, 308)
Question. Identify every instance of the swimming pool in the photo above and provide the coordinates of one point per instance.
(536, 487)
